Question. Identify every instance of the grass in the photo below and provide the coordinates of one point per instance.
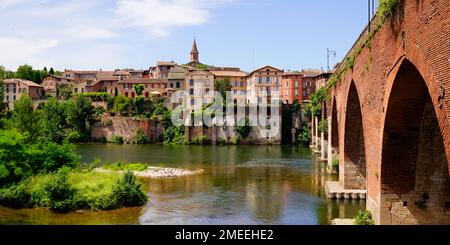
(120, 166)
(93, 190)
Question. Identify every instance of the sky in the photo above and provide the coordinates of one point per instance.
(118, 34)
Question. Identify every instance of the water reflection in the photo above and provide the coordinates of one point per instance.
(241, 185)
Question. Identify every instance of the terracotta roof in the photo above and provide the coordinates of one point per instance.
(65, 78)
(229, 73)
(177, 72)
(26, 82)
(165, 63)
(142, 80)
(264, 68)
(311, 73)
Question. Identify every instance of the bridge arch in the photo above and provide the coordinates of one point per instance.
(415, 183)
(352, 172)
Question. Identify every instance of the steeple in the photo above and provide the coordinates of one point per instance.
(194, 53)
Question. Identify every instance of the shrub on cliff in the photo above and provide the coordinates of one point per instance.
(140, 137)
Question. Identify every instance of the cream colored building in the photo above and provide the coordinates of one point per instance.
(15, 88)
(199, 88)
(262, 83)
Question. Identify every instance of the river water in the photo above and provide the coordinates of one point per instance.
(240, 185)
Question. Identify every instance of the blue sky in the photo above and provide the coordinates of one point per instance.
(110, 34)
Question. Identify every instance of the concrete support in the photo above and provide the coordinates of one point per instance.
(329, 147)
(316, 134)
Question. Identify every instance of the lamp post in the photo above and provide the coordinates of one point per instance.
(329, 53)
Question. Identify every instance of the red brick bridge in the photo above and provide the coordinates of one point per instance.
(388, 114)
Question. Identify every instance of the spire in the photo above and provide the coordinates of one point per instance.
(194, 47)
(195, 53)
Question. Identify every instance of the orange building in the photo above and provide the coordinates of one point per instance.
(292, 87)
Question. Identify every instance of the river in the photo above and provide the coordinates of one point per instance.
(240, 185)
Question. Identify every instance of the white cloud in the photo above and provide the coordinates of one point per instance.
(159, 17)
(90, 34)
(15, 51)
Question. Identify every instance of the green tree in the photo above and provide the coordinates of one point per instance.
(25, 72)
(25, 119)
(245, 129)
(139, 88)
(139, 104)
(51, 72)
(81, 115)
(122, 105)
(53, 120)
(223, 86)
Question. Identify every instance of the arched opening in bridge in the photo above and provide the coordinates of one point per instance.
(415, 186)
(353, 170)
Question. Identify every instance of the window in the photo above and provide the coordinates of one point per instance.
(207, 91)
(147, 94)
(171, 85)
(287, 84)
(276, 80)
(76, 90)
(14, 89)
(191, 82)
(191, 91)
(260, 80)
(7, 97)
(125, 86)
(267, 80)
(126, 94)
(132, 94)
(296, 84)
(192, 101)
(199, 92)
(304, 93)
(207, 83)
(296, 92)
(178, 85)
(14, 98)
(130, 86)
(7, 88)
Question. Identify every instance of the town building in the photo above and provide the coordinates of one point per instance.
(52, 83)
(15, 88)
(195, 55)
(264, 83)
(292, 87)
(177, 78)
(199, 88)
(237, 78)
(309, 83)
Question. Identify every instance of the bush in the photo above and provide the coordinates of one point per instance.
(222, 141)
(97, 96)
(364, 218)
(140, 137)
(304, 136)
(173, 135)
(323, 126)
(99, 111)
(117, 139)
(122, 105)
(62, 197)
(235, 141)
(74, 137)
(102, 139)
(387, 7)
(49, 157)
(203, 140)
(15, 196)
(245, 129)
(129, 193)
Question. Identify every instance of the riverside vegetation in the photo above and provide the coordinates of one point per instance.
(39, 167)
